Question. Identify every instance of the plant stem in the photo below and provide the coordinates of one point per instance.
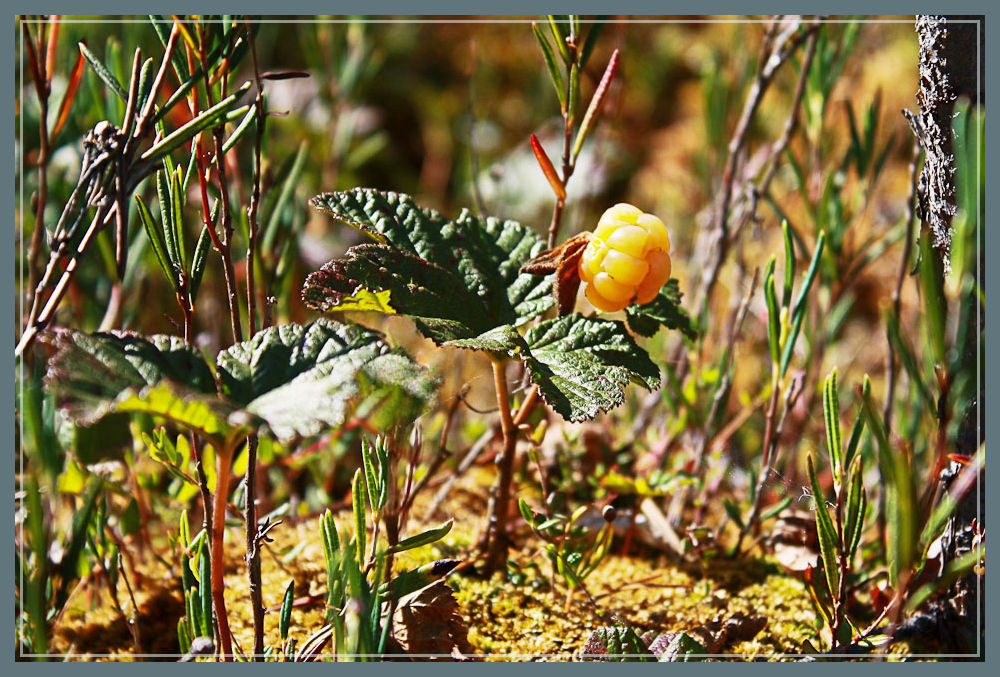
(897, 294)
(41, 195)
(497, 544)
(222, 470)
(253, 550)
(766, 461)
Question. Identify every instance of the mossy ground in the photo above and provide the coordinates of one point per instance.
(527, 620)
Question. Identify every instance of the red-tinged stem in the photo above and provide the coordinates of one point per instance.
(218, 552)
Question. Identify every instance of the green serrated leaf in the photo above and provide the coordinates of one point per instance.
(616, 643)
(89, 371)
(581, 365)
(683, 648)
(455, 278)
(303, 379)
(207, 416)
(663, 311)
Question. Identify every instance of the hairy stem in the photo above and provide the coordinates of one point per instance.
(497, 546)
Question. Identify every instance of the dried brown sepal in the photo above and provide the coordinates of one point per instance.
(564, 261)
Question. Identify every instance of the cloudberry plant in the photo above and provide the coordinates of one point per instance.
(628, 258)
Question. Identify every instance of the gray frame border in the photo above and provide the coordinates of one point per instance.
(514, 9)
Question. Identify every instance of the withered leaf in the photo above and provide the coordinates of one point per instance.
(563, 261)
(428, 622)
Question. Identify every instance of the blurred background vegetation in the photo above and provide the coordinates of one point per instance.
(443, 111)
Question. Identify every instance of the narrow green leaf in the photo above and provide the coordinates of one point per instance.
(935, 305)
(177, 216)
(144, 89)
(550, 62)
(854, 513)
(786, 230)
(285, 616)
(559, 35)
(909, 361)
(901, 507)
(165, 197)
(371, 478)
(588, 46)
(205, 592)
(831, 415)
(799, 312)
(200, 259)
(358, 502)
(289, 182)
(240, 130)
(828, 539)
(526, 512)
(596, 101)
(385, 481)
(773, 314)
(207, 118)
(776, 509)
(573, 100)
(954, 570)
(810, 275)
(157, 242)
(104, 73)
(733, 511)
(859, 425)
(425, 538)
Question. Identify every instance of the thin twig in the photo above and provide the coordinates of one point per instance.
(784, 45)
(133, 623)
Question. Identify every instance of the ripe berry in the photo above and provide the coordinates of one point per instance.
(627, 258)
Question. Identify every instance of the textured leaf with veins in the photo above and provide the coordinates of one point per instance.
(304, 379)
(663, 311)
(89, 370)
(455, 278)
(581, 365)
(299, 380)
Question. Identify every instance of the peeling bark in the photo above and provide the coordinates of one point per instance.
(949, 54)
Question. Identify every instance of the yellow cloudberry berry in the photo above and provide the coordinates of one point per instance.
(626, 260)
